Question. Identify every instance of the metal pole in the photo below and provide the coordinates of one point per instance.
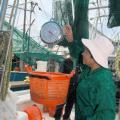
(24, 25)
(3, 12)
(11, 15)
(30, 27)
(24, 31)
(30, 18)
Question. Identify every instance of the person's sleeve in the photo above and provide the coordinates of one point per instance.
(103, 115)
(104, 104)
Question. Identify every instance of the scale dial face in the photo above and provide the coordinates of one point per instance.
(51, 33)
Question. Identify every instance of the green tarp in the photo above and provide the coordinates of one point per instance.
(114, 13)
(80, 27)
(30, 51)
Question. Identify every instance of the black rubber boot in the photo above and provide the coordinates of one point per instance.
(58, 113)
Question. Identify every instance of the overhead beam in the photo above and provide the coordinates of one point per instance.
(99, 17)
(101, 7)
(10, 6)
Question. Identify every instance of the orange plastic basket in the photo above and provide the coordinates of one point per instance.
(49, 88)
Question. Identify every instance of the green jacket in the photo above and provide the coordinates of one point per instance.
(95, 99)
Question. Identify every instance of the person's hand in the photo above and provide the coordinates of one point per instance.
(68, 32)
(72, 73)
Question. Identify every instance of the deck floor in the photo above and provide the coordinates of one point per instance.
(26, 100)
(46, 116)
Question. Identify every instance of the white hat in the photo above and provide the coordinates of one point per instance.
(100, 49)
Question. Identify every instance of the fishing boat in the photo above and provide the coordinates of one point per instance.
(30, 90)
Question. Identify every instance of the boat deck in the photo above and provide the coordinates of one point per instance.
(16, 84)
(24, 100)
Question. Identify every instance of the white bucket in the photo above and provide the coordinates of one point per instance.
(41, 66)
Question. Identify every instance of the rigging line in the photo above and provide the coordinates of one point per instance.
(100, 7)
(62, 15)
(12, 12)
(95, 28)
(10, 6)
(30, 25)
(92, 28)
(57, 49)
(99, 19)
(35, 4)
(18, 18)
(103, 9)
(24, 3)
(105, 14)
(102, 16)
(69, 11)
(20, 27)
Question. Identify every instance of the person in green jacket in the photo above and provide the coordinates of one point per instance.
(95, 95)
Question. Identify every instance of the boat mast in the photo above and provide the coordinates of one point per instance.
(12, 12)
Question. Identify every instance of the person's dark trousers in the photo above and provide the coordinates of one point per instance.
(69, 104)
(70, 101)
(58, 112)
(71, 97)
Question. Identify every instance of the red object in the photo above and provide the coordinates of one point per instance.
(72, 73)
(33, 113)
(27, 68)
(16, 69)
